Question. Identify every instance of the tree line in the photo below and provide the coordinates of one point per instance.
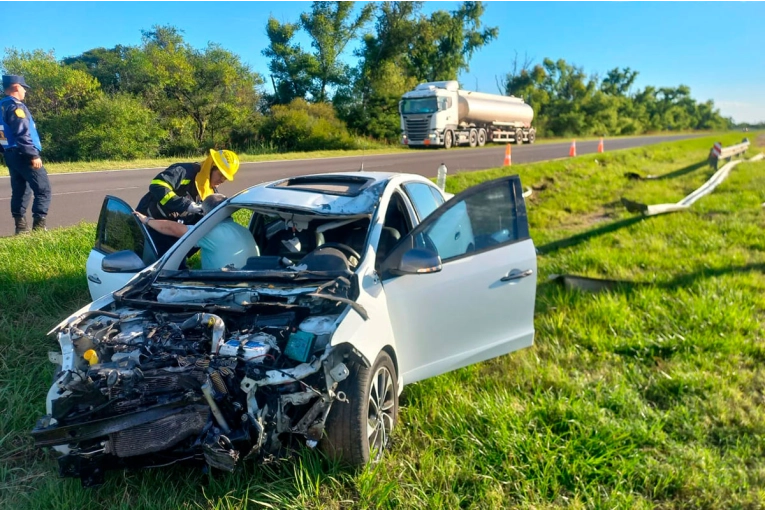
(164, 97)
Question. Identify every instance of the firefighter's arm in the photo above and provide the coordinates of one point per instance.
(163, 188)
(167, 227)
(18, 123)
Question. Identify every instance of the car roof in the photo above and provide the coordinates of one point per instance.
(335, 194)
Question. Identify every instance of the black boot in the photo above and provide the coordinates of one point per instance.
(21, 224)
(39, 223)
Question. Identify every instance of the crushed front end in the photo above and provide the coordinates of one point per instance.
(207, 375)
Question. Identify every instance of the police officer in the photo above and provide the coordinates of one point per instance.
(177, 192)
(21, 147)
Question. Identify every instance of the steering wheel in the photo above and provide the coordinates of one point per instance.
(343, 247)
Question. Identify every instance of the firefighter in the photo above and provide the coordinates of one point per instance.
(177, 192)
(21, 148)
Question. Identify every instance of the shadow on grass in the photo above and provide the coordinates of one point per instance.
(677, 173)
(577, 239)
(593, 285)
(688, 279)
(683, 171)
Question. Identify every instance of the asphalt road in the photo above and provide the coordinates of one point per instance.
(78, 196)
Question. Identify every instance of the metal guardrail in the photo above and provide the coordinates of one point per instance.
(718, 177)
(719, 152)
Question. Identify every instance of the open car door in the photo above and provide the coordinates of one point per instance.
(461, 287)
(123, 247)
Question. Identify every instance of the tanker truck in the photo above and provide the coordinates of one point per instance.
(439, 114)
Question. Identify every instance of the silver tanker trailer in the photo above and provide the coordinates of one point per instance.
(440, 114)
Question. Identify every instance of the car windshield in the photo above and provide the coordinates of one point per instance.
(249, 244)
(419, 105)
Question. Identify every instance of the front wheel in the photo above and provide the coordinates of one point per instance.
(448, 140)
(358, 431)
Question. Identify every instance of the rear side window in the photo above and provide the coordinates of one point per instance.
(422, 198)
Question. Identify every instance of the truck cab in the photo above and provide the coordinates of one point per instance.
(429, 112)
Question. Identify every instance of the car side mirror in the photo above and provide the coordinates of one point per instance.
(418, 261)
(124, 261)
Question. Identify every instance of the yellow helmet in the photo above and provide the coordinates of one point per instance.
(226, 161)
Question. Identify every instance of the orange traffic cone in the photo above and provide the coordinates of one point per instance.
(600, 145)
(508, 156)
(572, 150)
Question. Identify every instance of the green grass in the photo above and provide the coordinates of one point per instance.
(371, 150)
(648, 396)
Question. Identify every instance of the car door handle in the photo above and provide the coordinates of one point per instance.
(516, 275)
(94, 278)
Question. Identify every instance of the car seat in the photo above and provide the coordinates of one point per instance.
(309, 241)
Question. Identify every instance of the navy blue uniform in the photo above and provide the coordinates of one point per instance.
(21, 144)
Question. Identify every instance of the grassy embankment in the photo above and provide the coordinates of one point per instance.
(373, 149)
(648, 396)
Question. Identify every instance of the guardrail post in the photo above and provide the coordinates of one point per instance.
(714, 155)
(718, 152)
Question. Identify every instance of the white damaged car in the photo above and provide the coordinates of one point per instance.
(365, 282)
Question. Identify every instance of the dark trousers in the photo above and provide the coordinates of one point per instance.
(25, 180)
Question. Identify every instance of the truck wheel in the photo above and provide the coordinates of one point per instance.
(473, 138)
(358, 431)
(518, 136)
(532, 136)
(448, 140)
(481, 137)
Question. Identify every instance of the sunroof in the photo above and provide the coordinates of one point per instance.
(331, 184)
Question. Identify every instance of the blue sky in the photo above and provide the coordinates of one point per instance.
(716, 48)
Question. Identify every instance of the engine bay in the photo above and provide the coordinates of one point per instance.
(162, 381)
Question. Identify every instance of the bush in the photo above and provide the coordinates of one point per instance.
(118, 127)
(303, 126)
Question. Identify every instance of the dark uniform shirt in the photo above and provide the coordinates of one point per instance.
(171, 192)
(17, 129)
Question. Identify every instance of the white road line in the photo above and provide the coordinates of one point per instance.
(84, 191)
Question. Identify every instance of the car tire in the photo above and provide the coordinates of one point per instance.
(346, 430)
(518, 136)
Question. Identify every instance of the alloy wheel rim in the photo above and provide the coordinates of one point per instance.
(380, 414)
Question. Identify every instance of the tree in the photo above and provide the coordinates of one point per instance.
(445, 42)
(618, 82)
(292, 69)
(407, 48)
(118, 127)
(207, 86)
(568, 101)
(306, 126)
(56, 89)
(119, 69)
(331, 28)
(58, 94)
